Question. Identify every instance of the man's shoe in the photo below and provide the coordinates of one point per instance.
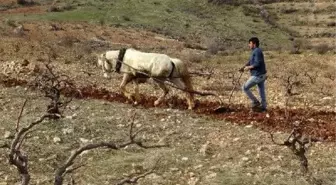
(256, 105)
(259, 109)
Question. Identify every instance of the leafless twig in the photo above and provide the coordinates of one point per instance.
(299, 145)
(63, 170)
(16, 156)
(133, 180)
(20, 115)
(52, 84)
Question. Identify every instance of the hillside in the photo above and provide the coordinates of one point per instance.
(199, 23)
(203, 147)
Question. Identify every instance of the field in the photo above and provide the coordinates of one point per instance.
(200, 146)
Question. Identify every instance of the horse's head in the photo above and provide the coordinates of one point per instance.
(107, 63)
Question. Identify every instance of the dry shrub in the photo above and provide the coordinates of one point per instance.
(213, 46)
(193, 46)
(228, 2)
(25, 2)
(331, 24)
(322, 48)
(296, 47)
(196, 57)
(289, 11)
(10, 23)
(250, 10)
(62, 8)
(68, 41)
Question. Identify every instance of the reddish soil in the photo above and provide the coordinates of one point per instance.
(318, 124)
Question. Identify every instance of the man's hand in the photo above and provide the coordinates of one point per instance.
(247, 68)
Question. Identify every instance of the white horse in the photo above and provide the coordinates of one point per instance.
(138, 66)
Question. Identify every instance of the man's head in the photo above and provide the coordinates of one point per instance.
(253, 42)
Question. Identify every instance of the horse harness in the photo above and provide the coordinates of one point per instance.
(121, 58)
(172, 71)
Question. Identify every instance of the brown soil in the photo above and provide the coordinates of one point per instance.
(317, 124)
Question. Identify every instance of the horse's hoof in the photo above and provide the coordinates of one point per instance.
(156, 103)
(191, 107)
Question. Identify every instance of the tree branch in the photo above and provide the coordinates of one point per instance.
(133, 180)
(298, 144)
(16, 156)
(61, 171)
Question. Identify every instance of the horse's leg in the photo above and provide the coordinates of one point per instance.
(126, 79)
(136, 92)
(165, 92)
(184, 83)
(190, 95)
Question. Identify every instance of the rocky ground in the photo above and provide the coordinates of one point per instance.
(205, 147)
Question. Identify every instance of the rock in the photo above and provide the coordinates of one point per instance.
(173, 169)
(138, 125)
(236, 139)
(198, 166)
(84, 141)
(185, 159)
(57, 140)
(193, 181)
(67, 131)
(7, 135)
(154, 176)
(71, 117)
(211, 175)
(311, 119)
(204, 148)
(19, 30)
(191, 174)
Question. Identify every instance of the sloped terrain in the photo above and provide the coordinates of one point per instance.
(232, 147)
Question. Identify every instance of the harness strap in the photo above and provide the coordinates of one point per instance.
(120, 59)
(172, 71)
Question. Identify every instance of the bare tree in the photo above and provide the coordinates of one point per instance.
(66, 167)
(52, 84)
(17, 156)
(295, 83)
(298, 144)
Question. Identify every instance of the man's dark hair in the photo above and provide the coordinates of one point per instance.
(255, 41)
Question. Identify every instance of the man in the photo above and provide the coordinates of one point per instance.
(256, 66)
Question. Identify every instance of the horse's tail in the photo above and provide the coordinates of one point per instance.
(183, 73)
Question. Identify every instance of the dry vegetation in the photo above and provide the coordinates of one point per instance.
(202, 149)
